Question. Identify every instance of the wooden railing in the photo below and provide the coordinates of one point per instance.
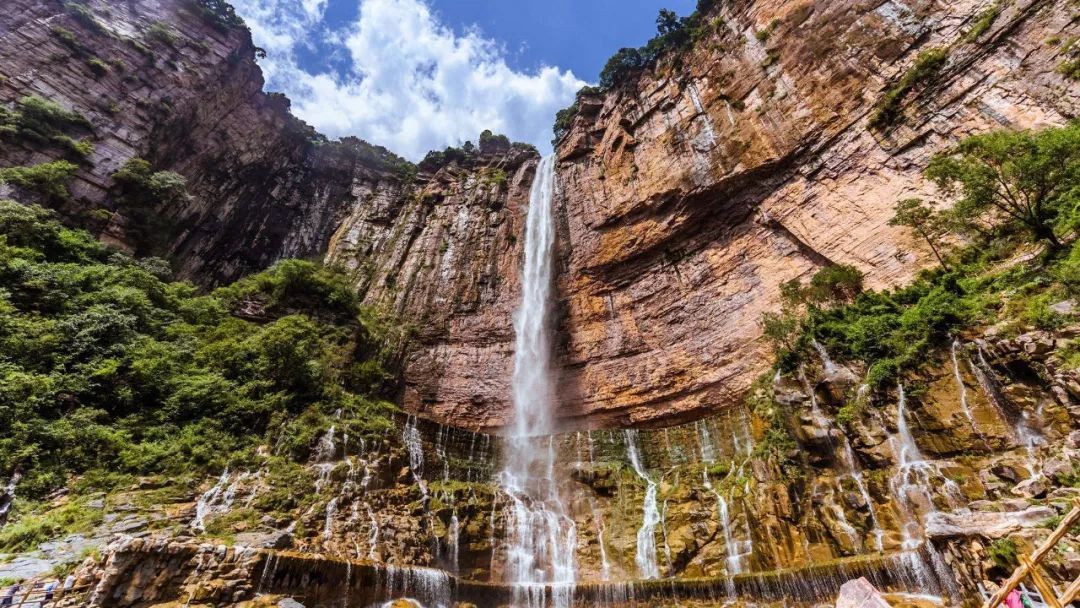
(34, 596)
(1029, 568)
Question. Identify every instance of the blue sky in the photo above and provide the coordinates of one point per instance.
(416, 75)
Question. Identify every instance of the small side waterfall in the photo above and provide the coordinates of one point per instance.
(542, 537)
(962, 388)
(646, 536)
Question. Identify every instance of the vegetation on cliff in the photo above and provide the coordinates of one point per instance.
(1013, 192)
(674, 35)
(109, 368)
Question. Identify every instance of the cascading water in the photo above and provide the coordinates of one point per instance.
(962, 388)
(541, 534)
(646, 536)
(913, 478)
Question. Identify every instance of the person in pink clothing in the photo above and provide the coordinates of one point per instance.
(1013, 600)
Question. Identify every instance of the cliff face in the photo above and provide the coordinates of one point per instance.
(691, 193)
(444, 254)
(162, 81)
(687, 195)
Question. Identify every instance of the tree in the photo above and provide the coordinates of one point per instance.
(835, 284)
(1023, 177)
(929, 224)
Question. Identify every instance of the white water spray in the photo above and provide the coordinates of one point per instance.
(541, 534)
(646, 536)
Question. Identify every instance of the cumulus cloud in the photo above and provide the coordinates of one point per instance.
(412, 85)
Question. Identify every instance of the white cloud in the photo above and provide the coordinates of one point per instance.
(416, 85)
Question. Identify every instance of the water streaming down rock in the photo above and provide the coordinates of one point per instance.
(645, 557)
(857, 476)
(911, 484)
(962, 389)
(541, 536)
(206, 502)
(414, 445)
(7, 498)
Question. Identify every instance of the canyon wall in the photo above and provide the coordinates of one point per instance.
(687, 194)
(163, 81)
(693, 191)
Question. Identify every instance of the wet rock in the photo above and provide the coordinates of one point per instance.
(1036, 487)
(859, 593)
(289, 602)
(986, 524)
(278, 539)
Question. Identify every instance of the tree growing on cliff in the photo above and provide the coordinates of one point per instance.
(927, 222)
(1026, 178)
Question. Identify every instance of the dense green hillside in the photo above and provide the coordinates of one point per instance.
(108, 368)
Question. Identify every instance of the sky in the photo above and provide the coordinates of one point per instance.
(418, 75)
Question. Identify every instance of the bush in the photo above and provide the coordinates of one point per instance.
(47, 179)
(927, 65)
(109, 367)
(219, 13)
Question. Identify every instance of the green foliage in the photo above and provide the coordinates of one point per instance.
(927, 222)
(47, 179)
(564, 119)
(673, 35)
(31, 530)
(834, 284)
(1070, 49)
(927, 65)
(776, 444)
(42, 121)
(489, 139)
(70, 40)
(84, 16)
(1022, 178)
(1003, 553)
(98, 67)
(147, 196)
(219, 13)
(108, 366)
(162, 33)
(983, 23)
(764, 34)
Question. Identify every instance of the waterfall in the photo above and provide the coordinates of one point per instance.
(541, 534)
(914, 476)
(206, 501)
(646, 536)
(7, 498)
(964, 405)
(856, 475)
(415, 446)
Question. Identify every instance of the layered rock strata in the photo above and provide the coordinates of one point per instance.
(691, 192)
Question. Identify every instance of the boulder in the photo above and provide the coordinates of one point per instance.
(983, 523)
(1036, 487)
(859, 593)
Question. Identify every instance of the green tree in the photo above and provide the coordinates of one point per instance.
(834, 284)
(1024, 177)
(929, 224)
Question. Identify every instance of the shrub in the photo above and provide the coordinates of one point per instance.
(98, 66)
(219, 13)
(110, 367)
(927, 65)
(83, 15)
(162, 33)
(1003, 553)
(48, 179)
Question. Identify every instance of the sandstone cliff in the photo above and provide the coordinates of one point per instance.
(687, 194)
(165, 82)
(692, 192)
